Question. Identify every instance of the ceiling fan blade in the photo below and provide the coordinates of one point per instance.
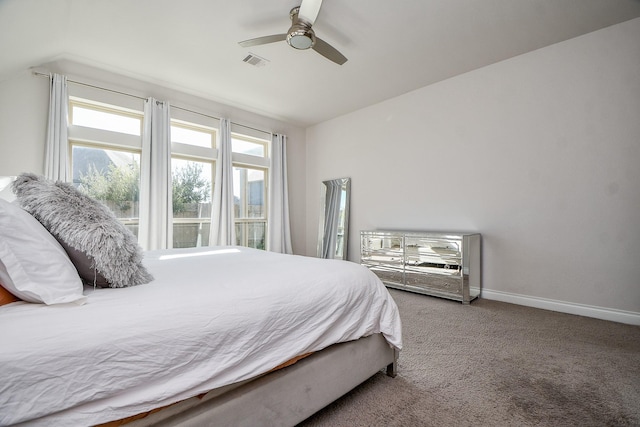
(329, 52)
(309, 10)
(263, 40)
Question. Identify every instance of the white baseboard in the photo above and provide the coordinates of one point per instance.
(622, 316)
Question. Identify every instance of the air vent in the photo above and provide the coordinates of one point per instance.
(255, 60)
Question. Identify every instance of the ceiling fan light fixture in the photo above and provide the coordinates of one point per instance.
(301, 38)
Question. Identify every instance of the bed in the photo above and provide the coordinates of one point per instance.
(202, 343)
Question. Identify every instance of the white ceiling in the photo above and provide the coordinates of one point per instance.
(192, 45)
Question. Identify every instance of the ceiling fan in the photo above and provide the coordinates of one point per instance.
(300, 34)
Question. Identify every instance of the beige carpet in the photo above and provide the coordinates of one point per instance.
(498, 364)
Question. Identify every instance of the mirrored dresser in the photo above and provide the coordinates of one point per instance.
(446, 265)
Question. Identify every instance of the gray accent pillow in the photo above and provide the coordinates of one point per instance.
(102, 249)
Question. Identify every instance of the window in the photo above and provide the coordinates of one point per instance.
(192, 168)
(106, 151)
(105, 146)
(110, 119)
(249, 189)
(191, 134)
(249, 206)
(244, 145)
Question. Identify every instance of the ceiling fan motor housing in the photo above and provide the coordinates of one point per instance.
(300, 35)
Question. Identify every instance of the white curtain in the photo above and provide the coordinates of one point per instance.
(223, 232)
(156, 210)
(279, 230)
(56, 165)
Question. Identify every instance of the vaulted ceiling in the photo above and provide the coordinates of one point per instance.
(392, 47)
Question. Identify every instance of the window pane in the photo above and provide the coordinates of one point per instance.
(111, 176)
(247, 147)
(190, 136)
(191, 188)
(189, 235)
(105, 120)
(248, 191)
(191, 199)
(251, 234)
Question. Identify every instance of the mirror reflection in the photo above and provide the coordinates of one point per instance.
(334, 218)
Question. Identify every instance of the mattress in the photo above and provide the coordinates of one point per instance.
(213, 316)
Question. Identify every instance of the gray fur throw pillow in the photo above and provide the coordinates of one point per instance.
(103, 250)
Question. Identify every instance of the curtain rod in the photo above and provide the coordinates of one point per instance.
(37, 73)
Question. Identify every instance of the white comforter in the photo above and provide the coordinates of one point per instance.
(212, 316)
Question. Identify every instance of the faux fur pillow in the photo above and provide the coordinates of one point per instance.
(103, 250)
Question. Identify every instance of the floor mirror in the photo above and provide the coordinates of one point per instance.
(334, 218)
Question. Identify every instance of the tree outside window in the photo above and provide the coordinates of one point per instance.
(113, 177)
(191, 181)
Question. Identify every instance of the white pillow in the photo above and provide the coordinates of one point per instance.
(33, 265)
(5, 188)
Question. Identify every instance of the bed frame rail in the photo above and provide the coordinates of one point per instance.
(292, 394)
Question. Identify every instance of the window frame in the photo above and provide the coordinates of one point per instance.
(262, 163)
(133, 106)
(102, 139)
(194, 153)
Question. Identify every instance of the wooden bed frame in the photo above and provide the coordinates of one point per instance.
(287, 396)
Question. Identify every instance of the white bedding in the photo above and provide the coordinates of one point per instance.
(212, 316)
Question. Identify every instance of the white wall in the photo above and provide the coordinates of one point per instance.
(540, 153)
(23, 122)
